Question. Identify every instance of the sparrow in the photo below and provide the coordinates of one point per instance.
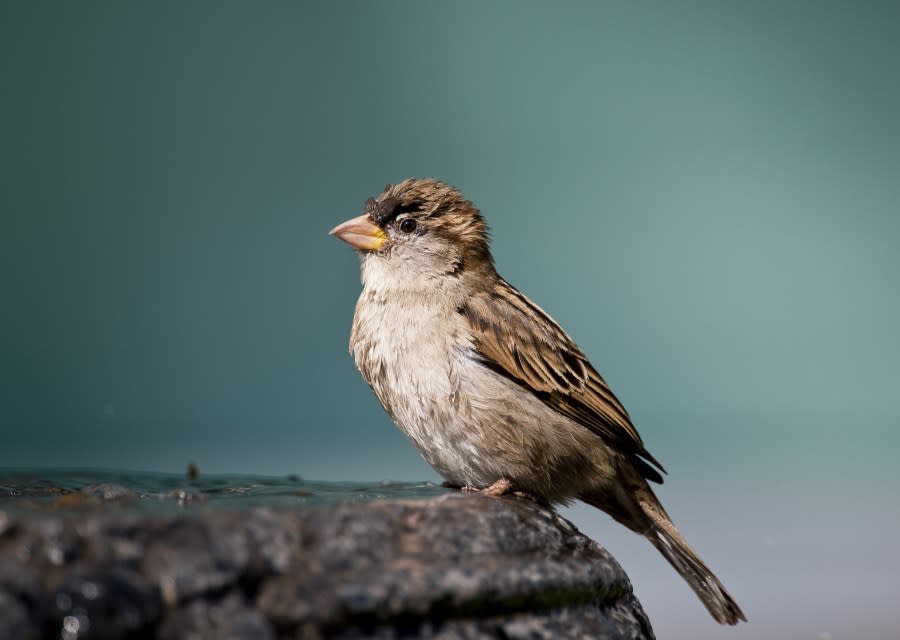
(489, 388)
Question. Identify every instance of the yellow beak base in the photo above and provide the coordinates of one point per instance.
(360, 233)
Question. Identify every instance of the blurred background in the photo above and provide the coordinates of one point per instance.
(705, 194)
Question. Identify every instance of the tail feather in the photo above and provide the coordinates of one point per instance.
(705, 584)
(640, 511)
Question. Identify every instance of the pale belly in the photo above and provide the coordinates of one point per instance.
(470, 424)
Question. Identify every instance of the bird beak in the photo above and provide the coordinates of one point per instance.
(360, 233)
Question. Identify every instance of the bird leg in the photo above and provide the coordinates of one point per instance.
(507, 486)
(501, 487)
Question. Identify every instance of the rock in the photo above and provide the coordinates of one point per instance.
(456, 566)
(19, 595)
(225, 618)
(103, 602)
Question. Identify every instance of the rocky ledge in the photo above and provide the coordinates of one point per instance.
(455, 566)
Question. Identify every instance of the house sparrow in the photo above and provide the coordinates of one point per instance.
(495, 395)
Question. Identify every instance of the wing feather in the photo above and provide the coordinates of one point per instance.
(516, 338)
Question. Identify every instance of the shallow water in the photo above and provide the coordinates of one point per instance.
(47, 490)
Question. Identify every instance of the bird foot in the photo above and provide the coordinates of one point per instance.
(501, 487)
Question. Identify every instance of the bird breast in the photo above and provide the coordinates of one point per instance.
(410, 352)
(471, 425)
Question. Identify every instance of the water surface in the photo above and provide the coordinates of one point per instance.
(47, 490)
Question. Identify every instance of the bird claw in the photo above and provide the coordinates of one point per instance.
(501, 487)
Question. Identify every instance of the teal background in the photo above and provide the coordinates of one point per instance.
(705, 194)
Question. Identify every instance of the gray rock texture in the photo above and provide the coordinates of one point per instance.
(455, 566)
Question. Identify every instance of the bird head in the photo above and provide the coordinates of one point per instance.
(419, 227)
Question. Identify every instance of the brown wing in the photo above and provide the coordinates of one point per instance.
(542, 358)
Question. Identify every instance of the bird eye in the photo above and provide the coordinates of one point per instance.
(407, 225)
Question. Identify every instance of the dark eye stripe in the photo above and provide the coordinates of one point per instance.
(412, 207)
(389, 208)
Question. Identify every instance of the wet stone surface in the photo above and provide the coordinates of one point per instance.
(441, 565)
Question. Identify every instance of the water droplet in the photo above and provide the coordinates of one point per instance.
(63, 601)
(90, 590)
(70, 628)
(55, 555)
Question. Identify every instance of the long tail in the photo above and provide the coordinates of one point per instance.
(645, 515)
(705, 584)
